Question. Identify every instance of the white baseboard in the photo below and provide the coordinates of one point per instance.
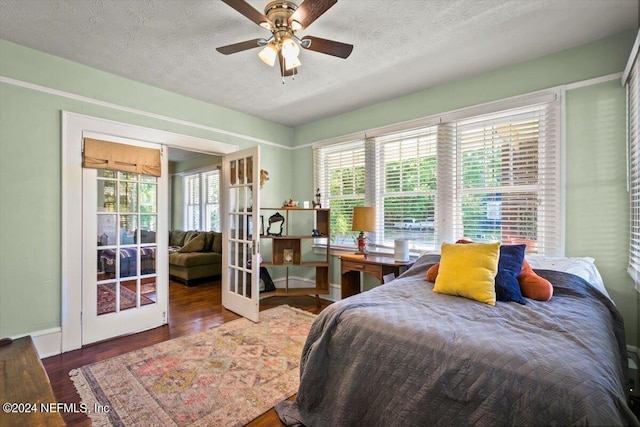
(48, 342)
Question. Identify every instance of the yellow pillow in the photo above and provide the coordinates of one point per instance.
(469, 271)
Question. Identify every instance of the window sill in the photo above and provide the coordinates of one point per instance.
(343, 250)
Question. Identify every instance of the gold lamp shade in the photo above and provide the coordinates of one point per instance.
(364, 219)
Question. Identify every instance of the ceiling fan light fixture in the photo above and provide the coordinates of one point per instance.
(268, 54)
(283, 18)
(290, 49)
(292, 63)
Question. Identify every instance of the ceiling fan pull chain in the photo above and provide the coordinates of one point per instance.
(282, 70)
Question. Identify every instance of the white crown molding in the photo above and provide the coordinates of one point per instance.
(635, 50)
(477, 109)
(111, 105)
(593, 81)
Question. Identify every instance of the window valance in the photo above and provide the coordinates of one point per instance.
(120, 157)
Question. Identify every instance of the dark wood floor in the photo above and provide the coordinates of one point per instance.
(191, 309)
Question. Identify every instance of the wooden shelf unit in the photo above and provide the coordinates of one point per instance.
(300, 245)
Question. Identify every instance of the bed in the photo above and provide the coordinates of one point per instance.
(404, 355)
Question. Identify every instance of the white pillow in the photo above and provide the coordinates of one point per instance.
(580, 266)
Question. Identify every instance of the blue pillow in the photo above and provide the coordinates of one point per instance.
(509, 266)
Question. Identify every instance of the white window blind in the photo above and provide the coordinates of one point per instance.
(192, 202)
(202, 201)
(212, 200)
(494, 177)
(406, 190)
(633, 108)
(508, 179)
(340, 177)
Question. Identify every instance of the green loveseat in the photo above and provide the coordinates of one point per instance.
(194, 255)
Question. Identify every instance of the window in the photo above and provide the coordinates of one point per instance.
(201, 201)
(485, 177)
(340, 176)
(631, 79)
(192, 202)
(406, 189)
(508, 180)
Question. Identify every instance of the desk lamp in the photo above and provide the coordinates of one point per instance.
(364, 219)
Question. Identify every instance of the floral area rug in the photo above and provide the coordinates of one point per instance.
(224, 376)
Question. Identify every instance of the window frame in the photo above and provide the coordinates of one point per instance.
(204, 222)
(631, 82)
(447, 179)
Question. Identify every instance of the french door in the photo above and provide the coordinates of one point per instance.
(241, 250)
(125, 260)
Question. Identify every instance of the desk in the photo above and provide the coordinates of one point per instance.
(352, 265)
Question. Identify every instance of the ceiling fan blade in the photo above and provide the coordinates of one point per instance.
(247, 10)
(283, 71)
(310, 10)
(330, 47)
(238, 47)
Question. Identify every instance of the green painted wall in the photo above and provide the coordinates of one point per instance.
(597, 201)
(30, 167)
(595, 148)
(177, 198)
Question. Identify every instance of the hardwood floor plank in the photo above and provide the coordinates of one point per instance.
(191, 309)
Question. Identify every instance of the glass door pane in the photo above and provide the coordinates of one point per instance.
(126, 241)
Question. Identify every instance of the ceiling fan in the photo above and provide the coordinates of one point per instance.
(284, 18)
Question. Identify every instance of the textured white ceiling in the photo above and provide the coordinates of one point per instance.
(401, 46)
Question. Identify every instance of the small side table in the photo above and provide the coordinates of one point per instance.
(352, 265)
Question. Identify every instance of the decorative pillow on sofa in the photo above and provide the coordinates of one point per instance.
(533, 286)
(509, 267)
(190, 235)
(469, 271)
(196, 244)
(217, 242)
(176, 238)
(208, 241)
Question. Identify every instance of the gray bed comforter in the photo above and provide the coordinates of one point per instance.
(403, 355)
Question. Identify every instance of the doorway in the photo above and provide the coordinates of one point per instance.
(75, 127)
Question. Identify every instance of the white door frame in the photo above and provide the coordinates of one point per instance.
(73, 127)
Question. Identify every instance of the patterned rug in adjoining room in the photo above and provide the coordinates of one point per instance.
(107, 298)
(224, 376)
